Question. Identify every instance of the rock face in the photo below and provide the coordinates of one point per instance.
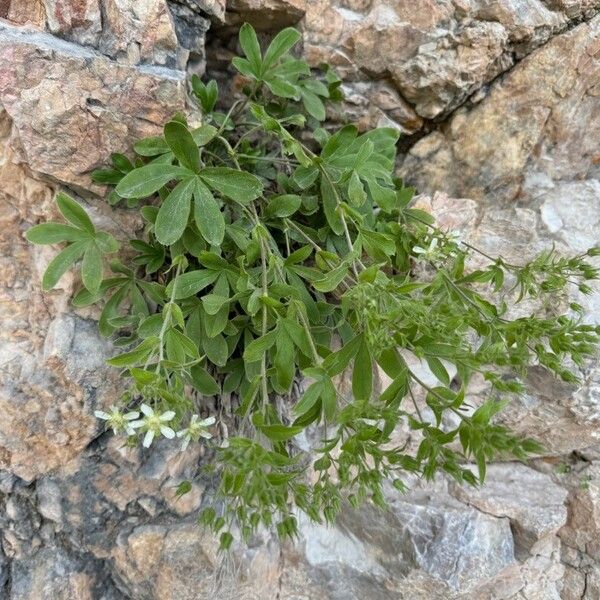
(500, 106)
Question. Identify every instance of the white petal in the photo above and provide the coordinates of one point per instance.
(148, 438)
(433, 245)
(193, 419)
(131, 415)
(129, 431)
(167, 416)
(207, 422)
(136, 424)
(181, 433)
(419, 250)
(146, 410)
(185, 443)
(205, 435)
(167, 432)
(100, 414)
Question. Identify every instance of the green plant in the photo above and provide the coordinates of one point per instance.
(276, 252)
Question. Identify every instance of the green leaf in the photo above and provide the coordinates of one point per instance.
(251, 48)
(213, 303)
(136, 356)
(74, 213)
(285, 366)
(438, 369)
(61, 263)
(151, 146)
(282, 206)
(282, 88)
(91, 268)
(309, 398)
(172, 218)
(356, 191)
(281, 44)
(362, 374)
(336, 362)
(256, 348)
(54, 233)
(145, 181)
(332, 279)
(204, 134)
(216, 350)
(203, 381)
(182, 145)
(238, 185)
(330, 205)
(280, 433)
(190, 283)
(208, 215)
(304, 177)
(313, 105)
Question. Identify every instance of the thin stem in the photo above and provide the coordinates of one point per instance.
(265, 294)
(167, 319)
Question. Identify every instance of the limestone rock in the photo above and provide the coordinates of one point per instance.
(71, 107)
(270, 14)
(80, 21)
(539, 122)
(534, 504)
(24, 12)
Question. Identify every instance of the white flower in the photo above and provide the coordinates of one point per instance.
(116, 420)
(195, 430)
(428, 253)
(154, 424)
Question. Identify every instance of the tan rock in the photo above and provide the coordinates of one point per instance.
(266, 15)
(141, 31)
(78, 20)
(71, 107)
(24, 12)
(541, 119)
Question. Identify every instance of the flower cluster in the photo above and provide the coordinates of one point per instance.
(155, 423)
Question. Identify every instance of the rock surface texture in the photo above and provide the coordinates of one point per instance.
(499, 103)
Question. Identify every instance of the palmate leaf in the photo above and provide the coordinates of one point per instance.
(251, 48)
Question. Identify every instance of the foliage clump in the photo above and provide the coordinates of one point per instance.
(277, 252)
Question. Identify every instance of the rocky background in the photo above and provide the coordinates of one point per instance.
(499, 104)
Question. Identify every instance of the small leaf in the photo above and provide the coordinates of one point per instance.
(237, 185)
(74, 213)
(172, 218)
(204, 134)
(182, 145)
(256, 348)
(190, 283)
(53, 233)
(332, 279)
(203, 381)
(61, 263)
(356, 191)
(208, 215)
(251, 48)
(151, 146)
(280, 433)
(336, 362)
(91, 268)
(281, 44)
(136, 356)
(145, 181)
(438, 369)
(283, 206)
